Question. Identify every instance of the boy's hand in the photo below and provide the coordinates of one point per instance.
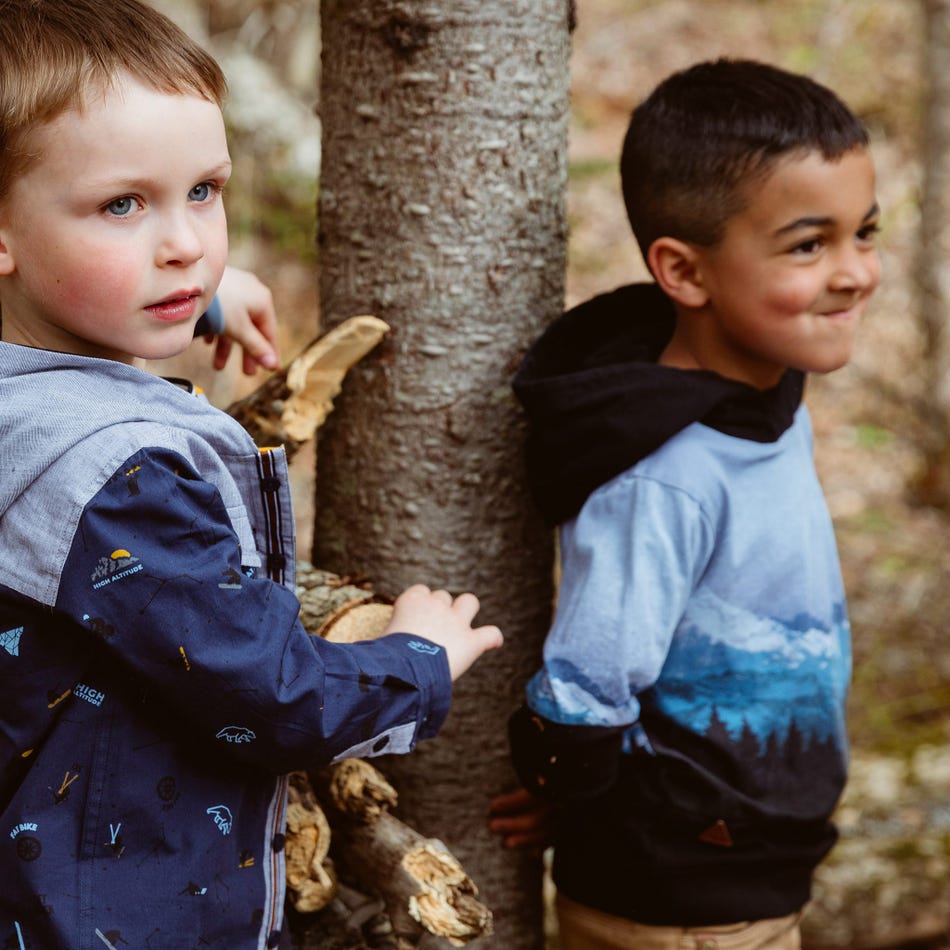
(438, 617)
(522, 820)
(249, 320)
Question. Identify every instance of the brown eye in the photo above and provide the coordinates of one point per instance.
(811, 246)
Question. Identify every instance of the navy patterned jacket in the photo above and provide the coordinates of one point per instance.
(157, 684)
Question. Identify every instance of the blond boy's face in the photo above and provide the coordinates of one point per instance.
(792, 276)
(113, 242)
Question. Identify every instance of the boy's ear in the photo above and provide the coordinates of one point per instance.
(675, 267)
(6, 258)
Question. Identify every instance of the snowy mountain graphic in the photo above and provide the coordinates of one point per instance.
(755, 673)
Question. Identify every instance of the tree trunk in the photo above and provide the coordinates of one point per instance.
(933, 278)
(442, 211)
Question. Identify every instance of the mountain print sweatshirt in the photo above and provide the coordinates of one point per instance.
(689, 714)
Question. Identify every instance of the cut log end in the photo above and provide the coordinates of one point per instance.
(446, 905)
(311, 878)
(357, 621)
(360, 790)
(334, 608)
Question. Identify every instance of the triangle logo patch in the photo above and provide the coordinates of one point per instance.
(718, 834)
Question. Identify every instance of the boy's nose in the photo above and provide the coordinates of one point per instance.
(855, 269)
(179, 244)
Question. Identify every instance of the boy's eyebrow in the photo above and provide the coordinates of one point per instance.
(225, 165)
(132, 181)
(819, 221)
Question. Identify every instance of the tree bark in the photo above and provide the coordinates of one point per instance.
(442, 211)
(342, 609)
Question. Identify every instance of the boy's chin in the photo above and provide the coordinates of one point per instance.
(171, 344)
(825, 366)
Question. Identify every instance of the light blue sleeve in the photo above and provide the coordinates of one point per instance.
(630, 561)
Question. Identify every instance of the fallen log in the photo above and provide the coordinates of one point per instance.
(358, 790)
(340, 609)
(421, 883)
(422, 886)
(311, 876)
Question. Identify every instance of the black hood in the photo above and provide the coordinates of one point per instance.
(597, 401)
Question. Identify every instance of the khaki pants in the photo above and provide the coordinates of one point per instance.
(583, 928)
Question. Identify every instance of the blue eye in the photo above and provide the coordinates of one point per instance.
(204, 191)
(121, 207)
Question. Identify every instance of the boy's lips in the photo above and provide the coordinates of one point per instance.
(849, 311)
(180, 305)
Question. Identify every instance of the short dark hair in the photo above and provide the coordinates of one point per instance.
(706, 132)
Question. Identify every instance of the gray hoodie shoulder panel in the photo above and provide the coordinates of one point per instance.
(67, 425)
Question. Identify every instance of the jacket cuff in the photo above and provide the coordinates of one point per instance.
(564, 762)
(212, 320)
(430, 668)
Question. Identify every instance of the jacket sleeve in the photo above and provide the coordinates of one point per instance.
(155, 576)
(629, 563)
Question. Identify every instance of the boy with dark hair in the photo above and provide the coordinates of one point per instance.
(689, 715)
(157, 683)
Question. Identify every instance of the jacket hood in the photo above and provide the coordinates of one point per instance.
(67, 424)
(597, 402)
(54, 401)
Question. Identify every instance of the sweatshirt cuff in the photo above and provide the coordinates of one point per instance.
(560, 762)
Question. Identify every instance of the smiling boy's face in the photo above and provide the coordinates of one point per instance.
(792, 275)
(113, 242)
